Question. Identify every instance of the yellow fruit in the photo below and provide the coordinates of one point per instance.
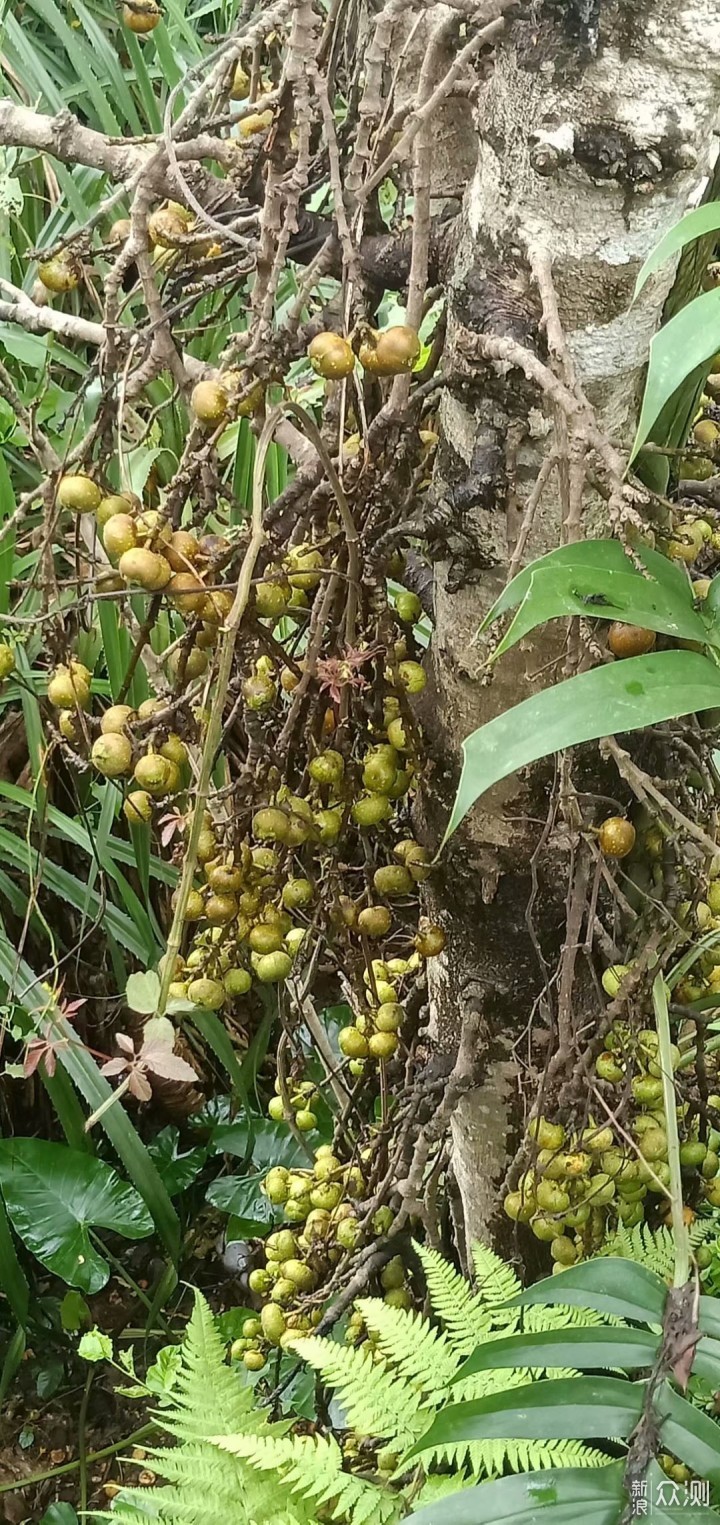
(331, 356)
(207, 993)
(166, 228)
(265, 938)
(256, 122)
(374, 921)
(146, 568)
(67, 727)
(181, 550)
(115, 503)
(240, 83)
(382, 1045)
(412, 676)
(706, 432)
(116, 719)
(271, 968)
(79, 493)
(391, 352)
(112, 755)
(137, 808)
(270, 825)
(61, 273)
(616, 837)
(7, 660)
(429, 940)
(69, 688)
(209, 402)
(119, 535)
(152, 773)
(120, 231)
(270, 599)
(303, 564)
(141, 16)
(352, 1043)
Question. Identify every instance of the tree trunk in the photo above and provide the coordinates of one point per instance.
(595, 129)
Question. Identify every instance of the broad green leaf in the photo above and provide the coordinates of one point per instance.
(688, 1433)
(695, 224)
(585, 1349)
(678, 348)
(269, 1143)
(142, 991)
(54, 1196)
(582, 1408)
(241, 1196)
(562, 1496)
(177, 1167)
(609, 1285)
(12, 1276)
(556, 592)
(622, 696)
(95, 1346)
(600, 557)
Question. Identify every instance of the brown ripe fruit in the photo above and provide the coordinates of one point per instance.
(220, 909)
(146, 568)
(209, 402)
(141, 16)
(78, 493)
(616, 837)
(391, 352)
(429, 939)
(166, 227)
(118, 536)
(120, 231)
(181, 550)
(187, 592)
(61, 273)
(331, 356)
(630, 640)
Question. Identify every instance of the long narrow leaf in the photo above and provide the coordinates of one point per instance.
(585, 1349)
(609, 1285)
(599, 556)
(623, 696)
(688, 341)
(695, 224)
(564, 1496)
(582, 1408)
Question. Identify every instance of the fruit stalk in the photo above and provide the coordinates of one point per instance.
(680, 1234)
(214, 725)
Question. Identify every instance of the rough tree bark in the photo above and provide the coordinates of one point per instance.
(595, 129)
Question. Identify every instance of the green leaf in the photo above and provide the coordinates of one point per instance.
(95, 1346)
(59, 1514)
(585, 1349)
(178, 1168)
(558, 591)
(609, 1285)
(12, 1276)
(241, 1196)
(599, 556)
(567, 1408)
(678, 348)
(562, 1496)
(688, 1433)
(55, 1195)
(142, 992)
(74, 1311)
(271, 1143)
(622, 696)
(704, 219)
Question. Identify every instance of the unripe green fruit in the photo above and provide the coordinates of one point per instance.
(297, 1209)
(384, 991)
(347, 1233)
(563, 1250)
(260, 1282)
(692, 1154)
(392, 1274)
(544, 1229)
(379, 773)
(551, 1197)
(647, 1090)
(382, 1045)
(271, 599)
(251, 1328)
(374, 921)
(273, 1323)
(276, 1185)
(383, 1220)
(612, 1161)
(78, 493)
(352, 1043)
(220, 909)
(265, 938)
(237, 982)
(600, 1190)
(607, 1067)
(115, 720)
(7, 660)
(398, 1297)
(275, 1109)
(598, 1140)
(578, 1216)
(630, 1213)
(281, 1245)
(60, 273)
(546, 1135)
(137, 807)
(408, 607)
(272, 968)
(270, 825)
(397, 735)
(259, 692)
(327, 768)
(371, 810)
(299, 1274)
(703, 1256)
(254, 1360)
(152, 773)
(297, 893)
(518, 1208)
(412, 676)
(67, 689)
(389, 1017)
(326, 1195)
(613, 977)
(393, 880)
(329, 825)
(305, 1120)
(304, 565)
(577, 1164)
(653, 1144)
(206, 993)
(710, 1165)
(112, 756)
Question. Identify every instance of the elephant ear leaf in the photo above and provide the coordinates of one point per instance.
(622, 696)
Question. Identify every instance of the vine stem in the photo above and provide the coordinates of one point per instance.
(213, 733)
(680, 1233)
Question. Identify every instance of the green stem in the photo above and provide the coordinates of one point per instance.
(213, 733)
(82, 1440)
(680, 1234)
(18, 1484)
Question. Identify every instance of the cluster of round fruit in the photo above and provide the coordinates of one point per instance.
(302, 1096)
(396, 1293)
(322, 1204)
(373, 1033)
(159, 770)
(388, 352)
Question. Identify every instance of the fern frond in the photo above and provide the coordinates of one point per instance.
(492, 1458)
(375, 1401)
(418, 1353)
(313, 1465)
(496, 1281)
(466, 1321)
(208, 1396)
(649, 1247)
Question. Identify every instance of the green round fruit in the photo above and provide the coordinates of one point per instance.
(393, 880)
(371, 810)
(352, 1043)
(327, 769)
(374, 921)
(237, 982)
(305, 1120)
(692, 1154)
(563, 1250)
(273, 1323)
(296, 894)
(546, 1135)
(551, 1198)
(379, 773)
(607, 1067)
(408, 607)
(281, 1245)
(273, 968)
(206, 993)
(112, 756)
(389, 1017)
(412, 676)
(276, 1185)
(299, 1274)
(260, 1282)
(7, 660)
(79, 493)
(270, 825)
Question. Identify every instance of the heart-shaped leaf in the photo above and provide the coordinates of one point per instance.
(142, 992)
(55, 1195)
